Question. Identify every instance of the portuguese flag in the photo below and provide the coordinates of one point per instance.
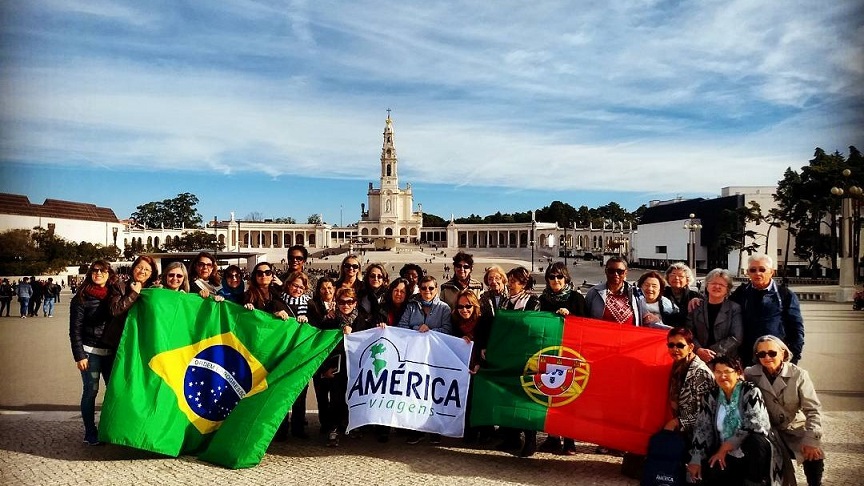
(195, 376)
(589, 380)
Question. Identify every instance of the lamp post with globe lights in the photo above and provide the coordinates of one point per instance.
(847, 257)
(692, 225)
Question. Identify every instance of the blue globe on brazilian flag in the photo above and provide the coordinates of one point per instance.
(195, 376)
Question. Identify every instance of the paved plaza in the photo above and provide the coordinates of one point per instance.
(40, 427)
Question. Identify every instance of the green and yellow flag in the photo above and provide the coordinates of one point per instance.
(195, 376)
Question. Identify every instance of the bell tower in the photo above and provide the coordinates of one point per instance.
(389, 162)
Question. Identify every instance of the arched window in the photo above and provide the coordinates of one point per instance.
(388, 169)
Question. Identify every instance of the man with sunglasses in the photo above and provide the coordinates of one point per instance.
(462, 265)
(616, 300)
(768, 308)
(297, 256)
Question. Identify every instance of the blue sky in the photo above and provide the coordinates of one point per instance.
(278, 107)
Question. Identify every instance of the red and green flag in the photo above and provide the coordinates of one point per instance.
(195, 376)
(575, 377)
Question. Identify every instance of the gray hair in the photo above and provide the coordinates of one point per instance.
(721, 273)
(683, 267)
(761, 257)
(787, 354)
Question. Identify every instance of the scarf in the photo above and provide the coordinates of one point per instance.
(97, 292)
(676, 381)
(347, 319)
(518, 301)
(732, 420)
(560, 298)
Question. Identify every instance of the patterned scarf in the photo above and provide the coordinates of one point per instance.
(347, 319)
(518, 301)
(560, 298)
(732, 420)
(676, 380)
(618, 308)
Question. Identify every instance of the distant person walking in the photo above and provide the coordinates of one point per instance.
(25, 291)
(6, 293)
(50, 295)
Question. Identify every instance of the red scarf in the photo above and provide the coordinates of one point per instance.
(98, 292)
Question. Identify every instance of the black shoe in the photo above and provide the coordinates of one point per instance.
(415, 439)
(530, 446)
(434, 439)
(569, 448)
(333, 439)
(551, 445)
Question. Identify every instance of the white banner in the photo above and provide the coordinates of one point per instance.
(407, 379)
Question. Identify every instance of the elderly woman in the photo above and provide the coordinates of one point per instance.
(295, 297)
(679, 277)
(730, 438)
(561, 298)
(175, 278)
(793, 406)
(689, 381)
(323, 304)
(204, 277)
(233, 286)
(659, 307)
(716, 323)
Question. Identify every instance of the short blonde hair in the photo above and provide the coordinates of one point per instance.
(493, 270)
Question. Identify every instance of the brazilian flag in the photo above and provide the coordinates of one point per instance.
(195, 376)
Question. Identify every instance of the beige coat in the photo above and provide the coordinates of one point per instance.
(793, 407)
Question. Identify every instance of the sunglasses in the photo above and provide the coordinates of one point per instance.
(346, 302)
(175, 275)
(463, 266)
(232, 275)
(297, 258)
(616, 271)
(263, 273)
(355, 266)
(205, 265)
(98, 270)
(428, 288)
(676, 345)
(556, 277)
(757, 270)
(464, 307)
(762, 354)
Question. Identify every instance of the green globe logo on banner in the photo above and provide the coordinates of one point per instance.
(555, 376)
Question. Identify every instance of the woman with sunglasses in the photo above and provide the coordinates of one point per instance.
(331, 379)
(89, 314)
(716, 324)
(144, 274)
(730, 437)
(263, 294)
(689, 380)
(561, 298)
(175, 278)
(465, 317)
(233, 286)
(793, 406)
(426, 312)
(375, 282)
(616, 300)
(349, 274)
(203, 275)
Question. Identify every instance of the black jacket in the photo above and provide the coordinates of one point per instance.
(88, 317)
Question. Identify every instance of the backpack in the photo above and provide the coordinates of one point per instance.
(664, 464)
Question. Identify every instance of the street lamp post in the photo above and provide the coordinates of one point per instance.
(847, 264)
(692, 225)
(564, 244)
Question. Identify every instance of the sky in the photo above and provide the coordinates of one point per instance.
(278, 108)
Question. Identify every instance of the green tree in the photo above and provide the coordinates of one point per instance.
(314, 219)
(285, 220)
(433, 221)
(177, 212)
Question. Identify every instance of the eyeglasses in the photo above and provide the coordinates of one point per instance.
(144, 269)
(297, 258)
(763, 354)
(205, 265)
(676, 345)
(178, 276)
(463, 266)
(757, 270)
(298, 286)
(376, 276)
(232, 275)
(346, 301)
(464, 307)
(355, 266)
(616, 271)
(556, 277)
(428, 288)
(263, 273)
(98, 270)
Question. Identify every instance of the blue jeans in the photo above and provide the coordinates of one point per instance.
(96, 365)
(25, 305)
(48, 306)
